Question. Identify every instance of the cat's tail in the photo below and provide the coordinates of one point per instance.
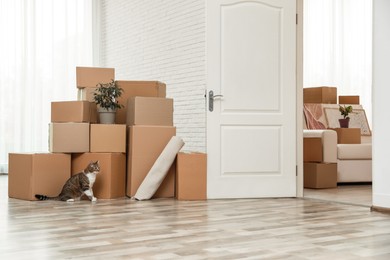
(44, 197)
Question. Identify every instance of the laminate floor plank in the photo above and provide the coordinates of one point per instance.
(285, 228)
(357, 194)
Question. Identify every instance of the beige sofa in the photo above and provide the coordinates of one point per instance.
(354, 161)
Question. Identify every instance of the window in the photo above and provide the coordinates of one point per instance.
(338, 47)
(42, 43)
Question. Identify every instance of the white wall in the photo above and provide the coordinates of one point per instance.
(161, 40)
(381, 95)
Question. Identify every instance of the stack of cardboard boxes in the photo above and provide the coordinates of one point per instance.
(126, 150)
(149, 131)
(318, 174)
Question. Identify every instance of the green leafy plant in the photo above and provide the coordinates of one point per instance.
(106, 95)
(345, 111)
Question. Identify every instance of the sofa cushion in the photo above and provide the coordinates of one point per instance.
(354, 171)
(354, 151)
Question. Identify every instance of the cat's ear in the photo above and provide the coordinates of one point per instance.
(97, 162)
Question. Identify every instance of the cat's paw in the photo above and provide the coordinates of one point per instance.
(94, 199)
(70, 200)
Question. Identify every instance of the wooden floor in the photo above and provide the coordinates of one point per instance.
(169, 229)
(356, 194)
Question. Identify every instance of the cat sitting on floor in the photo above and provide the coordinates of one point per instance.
(77, 185)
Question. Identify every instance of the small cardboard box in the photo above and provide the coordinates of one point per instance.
(327, 95)
(191, 176)
(312, 149)
(108, 138)
(149, 111)
(320, 175)
(146, 143)
(111, 181)
(37, 173)
(69, 137)
(349, 100)
(73, 111)
(348, 135)
(86, 94)
(137, 88)
(91, 76)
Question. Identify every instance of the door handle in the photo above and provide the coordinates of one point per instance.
(211, 100)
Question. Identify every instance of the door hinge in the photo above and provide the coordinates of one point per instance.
(296, 18)
(296, 170)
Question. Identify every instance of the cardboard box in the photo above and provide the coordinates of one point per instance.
(146, 143)
(37, 173)
(312, 150)
(111, 181)
(73, 111)
(91, 76)
(349, 100)
(86, 94)
(348, 135)
(191, 176)
(108, 138)
(320, 175)
(69, 137)
(137, 88)
(327, 95)
(150, 111)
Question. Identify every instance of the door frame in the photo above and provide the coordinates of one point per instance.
(299, 75)
(299, 98)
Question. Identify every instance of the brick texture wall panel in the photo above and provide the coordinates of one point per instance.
(161, 40)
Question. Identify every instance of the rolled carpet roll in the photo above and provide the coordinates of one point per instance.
(159, 170)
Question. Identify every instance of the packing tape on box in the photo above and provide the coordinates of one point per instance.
(159, 170)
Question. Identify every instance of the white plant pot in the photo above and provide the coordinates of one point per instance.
(106, 116)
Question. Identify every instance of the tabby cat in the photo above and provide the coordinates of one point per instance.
(77, 185)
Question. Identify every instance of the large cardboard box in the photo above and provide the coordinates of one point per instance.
(312, 149)
(146, 143)
(327, 95)
(137, 88)
(320, 175)
(111, 181)
(349, 100)
(73, 111)
(149, 111)
(91, 76)
(108, 138)
(348, 135)
(69, 137)
(191, 176)
(37, 173)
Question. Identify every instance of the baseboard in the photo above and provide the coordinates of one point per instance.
(380, 209)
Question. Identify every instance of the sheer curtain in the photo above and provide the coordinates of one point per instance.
(42, 43)
(338, 47)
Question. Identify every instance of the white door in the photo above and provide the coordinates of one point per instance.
(251, 130)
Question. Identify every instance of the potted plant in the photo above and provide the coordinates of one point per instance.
(106, 97)
(344, 122)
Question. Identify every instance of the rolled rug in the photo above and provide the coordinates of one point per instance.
(159, 170)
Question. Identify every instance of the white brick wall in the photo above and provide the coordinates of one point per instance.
(161, 40)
